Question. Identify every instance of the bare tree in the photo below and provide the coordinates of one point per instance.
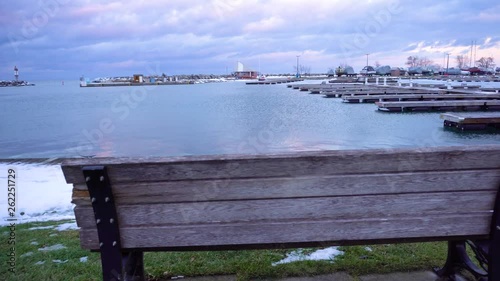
(377, 64)
(412, 61)
(424, 62)
(488, 62)
(305, 69)
(462, 61)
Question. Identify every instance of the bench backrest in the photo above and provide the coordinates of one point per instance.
(326, 197)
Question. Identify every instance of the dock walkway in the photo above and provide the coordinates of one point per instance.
(472, 121)
(274, 81)
(454, 105)
(417, 97)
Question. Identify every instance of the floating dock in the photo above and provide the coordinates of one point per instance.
(472, 121)
(274, 81)
(375, 91)
(454, 105)
(417, 97)
(392, 98)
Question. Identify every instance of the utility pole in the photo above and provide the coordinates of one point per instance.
(447, 63)
(367, 61)
(298, 71)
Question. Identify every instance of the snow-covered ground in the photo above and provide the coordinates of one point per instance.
(328, 254)
(41, 193)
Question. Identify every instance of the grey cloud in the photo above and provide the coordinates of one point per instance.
(190, 36)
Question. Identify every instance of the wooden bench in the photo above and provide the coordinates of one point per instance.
(126, 206)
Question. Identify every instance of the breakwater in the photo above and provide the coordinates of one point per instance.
(15, 83)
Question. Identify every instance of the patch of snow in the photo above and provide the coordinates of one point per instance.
(41, 227)
(84, 259)
(368, 249)
(43, 193)
(67, 226)
(53, 234)
(52, 248)
(34, 243)
(328, 254)
(59, 261)
(39, 262)
(27, 254)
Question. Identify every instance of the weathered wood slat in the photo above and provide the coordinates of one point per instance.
(269, 188)
(303, 209)
(333, 231)
(289, 165)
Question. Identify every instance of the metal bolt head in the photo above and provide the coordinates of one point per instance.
(111, 220)
(498, 227)
(87, 179)
(114, 243)
(101, 244)
(101, 178)
(98, 221)
(93, 200)
(106, 199)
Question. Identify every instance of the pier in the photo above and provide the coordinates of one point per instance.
(272, 81)
(472, 121)
(417, 97)
(414, 97)
(377, 92)
(454, 105)
(118, 84)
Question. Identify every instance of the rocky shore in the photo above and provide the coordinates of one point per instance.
(15, 83)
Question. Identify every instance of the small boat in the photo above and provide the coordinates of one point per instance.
(262, 78)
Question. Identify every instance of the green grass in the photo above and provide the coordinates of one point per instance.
(245, 264)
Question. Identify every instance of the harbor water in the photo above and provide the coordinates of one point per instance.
(56, 120)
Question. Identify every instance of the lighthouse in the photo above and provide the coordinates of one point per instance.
(16, 73)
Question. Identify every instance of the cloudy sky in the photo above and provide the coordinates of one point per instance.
(63, 39)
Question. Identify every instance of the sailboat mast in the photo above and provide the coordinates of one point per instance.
(470, 58)
(475, 52)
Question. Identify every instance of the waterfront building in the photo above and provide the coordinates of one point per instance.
(138, 78)
(243, 72)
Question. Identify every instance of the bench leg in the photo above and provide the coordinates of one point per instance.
(133, 266)
(494, 257)
(458, 258)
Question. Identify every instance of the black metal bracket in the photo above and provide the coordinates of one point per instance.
(106, 220)
(117, 264)
(494, 249)
(458, 258)
(487, 253)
